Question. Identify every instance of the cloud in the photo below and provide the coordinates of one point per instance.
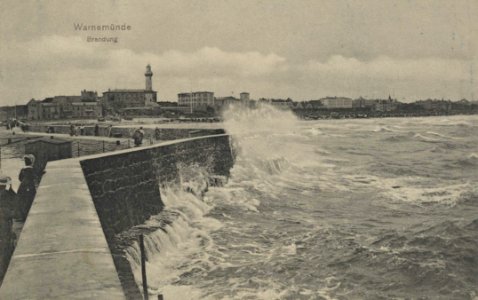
(384, 67)
(53, 65)
(207, 61)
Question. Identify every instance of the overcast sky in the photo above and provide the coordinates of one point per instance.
(276, 48)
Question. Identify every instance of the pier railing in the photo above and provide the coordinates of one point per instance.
(81, 147)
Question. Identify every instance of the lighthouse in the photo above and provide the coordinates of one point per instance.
(148, 74)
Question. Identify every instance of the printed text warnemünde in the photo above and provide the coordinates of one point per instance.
(102, 27)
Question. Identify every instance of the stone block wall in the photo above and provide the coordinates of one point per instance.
(124, 189)
(212, 154)
(125, 186)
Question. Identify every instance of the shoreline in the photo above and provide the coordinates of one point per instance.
(215, 123)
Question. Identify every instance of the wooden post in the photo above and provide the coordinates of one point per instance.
(0, 158)
(103, 146)
(160, 297)
(78, 148)
(143, 267)
(128, 144)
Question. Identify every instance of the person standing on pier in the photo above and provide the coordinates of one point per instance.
(27, 189)
(138, 137)
(157, 133)
(7, 213)
(97, 130)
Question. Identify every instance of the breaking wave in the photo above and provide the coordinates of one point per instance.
(322, 211)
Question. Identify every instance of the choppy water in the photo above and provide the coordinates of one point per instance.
(337, 209)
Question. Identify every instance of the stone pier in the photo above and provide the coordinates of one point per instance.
(65, 248)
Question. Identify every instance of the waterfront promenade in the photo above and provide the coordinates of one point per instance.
(62, 252)
(66, 249)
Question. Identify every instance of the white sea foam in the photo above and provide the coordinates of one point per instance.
(439, 135)
(275, 190)
(173, 249)
(427, 139)
(419, 190)
(314, 131)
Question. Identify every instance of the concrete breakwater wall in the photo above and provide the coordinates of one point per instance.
(165, 134)
(125, 187)
(84, 204)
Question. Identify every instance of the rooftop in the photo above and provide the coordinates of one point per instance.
(129, 91)
(200, 92)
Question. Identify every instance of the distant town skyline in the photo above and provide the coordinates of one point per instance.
(273, 49)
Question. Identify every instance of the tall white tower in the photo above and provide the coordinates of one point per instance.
(148, 74)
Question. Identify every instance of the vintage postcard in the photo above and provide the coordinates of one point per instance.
(223, 149)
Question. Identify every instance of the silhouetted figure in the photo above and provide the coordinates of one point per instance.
(27, 190)
(157, 133)
(97, 130)
(8, 210)
(24, 127)
(138, 136)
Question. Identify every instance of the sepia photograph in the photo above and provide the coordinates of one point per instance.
(239, 149)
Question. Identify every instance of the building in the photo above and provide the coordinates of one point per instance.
(3, 116)
(86, 110)
(89, 96)
(336, 102)
(65, 107)
(50, 110)
(383, 105)
(313, 104)
(386, 105)
(14, 112)
(119, 99)
(245, 97)
(34, 110)
(196, 100)
(362, 103)
(435, 105)
(224, 102)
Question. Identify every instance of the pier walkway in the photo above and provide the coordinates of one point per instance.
(62, 252)
(65, 248)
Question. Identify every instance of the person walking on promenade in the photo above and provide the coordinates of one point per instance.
(7, 213)
(97, 130)
(27, 189)
(138, 136)
(72, 130)
(157, 133)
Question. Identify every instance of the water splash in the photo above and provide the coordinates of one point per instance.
(178, 244)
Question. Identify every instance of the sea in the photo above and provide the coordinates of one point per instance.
(329, 209)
